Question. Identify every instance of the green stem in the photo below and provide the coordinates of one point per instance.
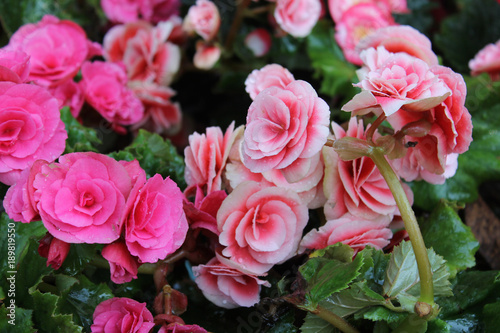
(411, 225)
(335, 320)
(235, 26)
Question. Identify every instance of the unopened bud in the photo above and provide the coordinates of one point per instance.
(417, 128)
(349, 148)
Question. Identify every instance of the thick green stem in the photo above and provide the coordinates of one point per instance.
(335, 320)
(411, 225)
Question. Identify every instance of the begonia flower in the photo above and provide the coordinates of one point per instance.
(17, 201)
(203, 18)
(272, 75)
(123, 267)
(337, 8)
(259, 42)
(14, 66)
(55, 250)
(297, 17)
(206, 55)
(125, 11)
(69, 94)
(487, 60)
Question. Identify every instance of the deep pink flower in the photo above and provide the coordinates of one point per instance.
(206, 55)
(227, 287)
(259, 42)
(30, 129)
(181, 328)
(104, 85)
(355, 231)
(17, 202)
(272, 75)
(81, 199)
(156, 225)
(55, 250)
(285, 127)
(356, 23)
(260, 226)
(297, 17)
(121, 314)
(206, 156)
(203, 18)
(14, 66)
(202, 213)
(394, 81)
(57, 49)
(69, 94)
(125, 11)
(487, 60)
(356, 186)
(122, 265)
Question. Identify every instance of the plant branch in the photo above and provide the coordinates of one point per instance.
(335, 320)
(235, 26)
(374, 126)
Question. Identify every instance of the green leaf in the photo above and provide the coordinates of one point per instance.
(329, 63)
(444, 231)
(491, 317)
(78, 257)
(46, 316)
(381, 313)
(18, 321)
(374, 267)
(314, 324)
(285, 324)
(80, 138)
(155, 155)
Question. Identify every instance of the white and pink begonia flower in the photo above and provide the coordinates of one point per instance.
(123, 267)
(355, 231)
(297, 17)
(203, 18)
(226, 286)
(206, 55)
(392, 81)
(259, 42)
(357, 186)
(260, 226)
(487, 60)
(358, 22)
(285, 128)
(272, 75)
(337, 8)
(206, 156)
(14, 66)
(400, 38)
(57, 49)
(144, 50)
(154, 11)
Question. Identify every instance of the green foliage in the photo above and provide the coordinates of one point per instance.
(314, 324)
(464, 34)
(22, 320)
(444, 231)
(420, 15)
(80, 138)
(48, 318)
(155, 155)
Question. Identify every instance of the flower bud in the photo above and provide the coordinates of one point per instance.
(350, 148)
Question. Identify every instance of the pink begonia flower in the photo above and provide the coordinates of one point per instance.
(227, 287)
(181, 328)
(206, 156)
(156, 225)
(17, 201)
(161, 115)
(69, 94)
(144, 50)
(337, 8)
(14, 66)
(30, 129)
(203, 18)
(393, 81)
(259, 42)
(121, 314)
(202, 213)
(355, 231)
(400, 38)
(358, 22)
(81, 198)
(297, 17)
(487, 60)
(104, 85)
(122, 265)
(356, 187)
(272, 75)
(55, 250)
(206, 55)
(57, 49)
(285, 127)
(125, 11)
(260, 226)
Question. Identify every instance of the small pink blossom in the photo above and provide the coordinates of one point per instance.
(57, 49)
(202, 213)
(122, 265)
(355, 231)
(70, 94)
(17, 201)
(203, 18)
(206, 55)
(125, 11)
(14, 66)
(156, 225)
(259, 42)
(260, 226)
(81, 199)
(393, 81)
(400, 38)
(227, 287)
(181, 328)
(206, 156)
(55, 250)
(30, 129)
(285, 127)
(104, 85)
(487, 60)
(121, 314)
(297, 17)
(156, 11)
(272, 75)
(358, 22)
